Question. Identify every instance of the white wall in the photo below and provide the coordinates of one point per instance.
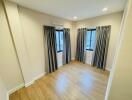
(112, 19)
(32, 24)
(26, 29)
(9, 66)
(121, 86)
(19, 41)
(3, 91)
(27, 35)
(60, 57)
(89, 56)
(73, 40)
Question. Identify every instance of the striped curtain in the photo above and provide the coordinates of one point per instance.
(81, 45)
(66, 46)
(50, 49)
(102, 42)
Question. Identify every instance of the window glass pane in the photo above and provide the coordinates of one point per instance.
(92, 44)
(88, 39)
(93, 39)
(57, 40)
(93, 35)
(61, 40)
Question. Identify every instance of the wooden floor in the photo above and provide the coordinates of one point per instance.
(75, 81)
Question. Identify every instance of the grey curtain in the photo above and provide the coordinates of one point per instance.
(81, 45)
(50, 49)
(102, 42)
(66, 46)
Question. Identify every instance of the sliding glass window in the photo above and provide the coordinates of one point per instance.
(59, 40)
(90, 39)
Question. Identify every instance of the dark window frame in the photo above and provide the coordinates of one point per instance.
(90, 38)
(58, 51)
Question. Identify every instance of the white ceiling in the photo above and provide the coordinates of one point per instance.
(69, 8)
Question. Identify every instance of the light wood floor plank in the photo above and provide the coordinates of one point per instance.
(74, 81)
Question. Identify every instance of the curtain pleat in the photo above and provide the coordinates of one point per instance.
(81, 45)
(66, 46)
(102, 43)
(50, 49)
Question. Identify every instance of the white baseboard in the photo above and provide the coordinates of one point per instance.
(39, 76)
(108, 69)
(22, 85)
(7, 96)
(35, 78)
(29, 83)
(15, 89)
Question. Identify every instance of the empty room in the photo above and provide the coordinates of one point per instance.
(65, 50)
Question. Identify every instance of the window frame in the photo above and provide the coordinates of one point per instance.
(90, 39)
(58, 51)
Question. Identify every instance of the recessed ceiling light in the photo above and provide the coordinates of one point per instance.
(104, 9)
(75, 17)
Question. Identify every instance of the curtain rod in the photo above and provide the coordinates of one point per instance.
(93, 27)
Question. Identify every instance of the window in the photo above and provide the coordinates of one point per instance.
(90, 39)
(59, 40)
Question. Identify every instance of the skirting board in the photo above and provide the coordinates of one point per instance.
(39, 76)
(35, 78)
(26, 85)
(16, 88)
(29, 83)
(108, 69)
(7, 96)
